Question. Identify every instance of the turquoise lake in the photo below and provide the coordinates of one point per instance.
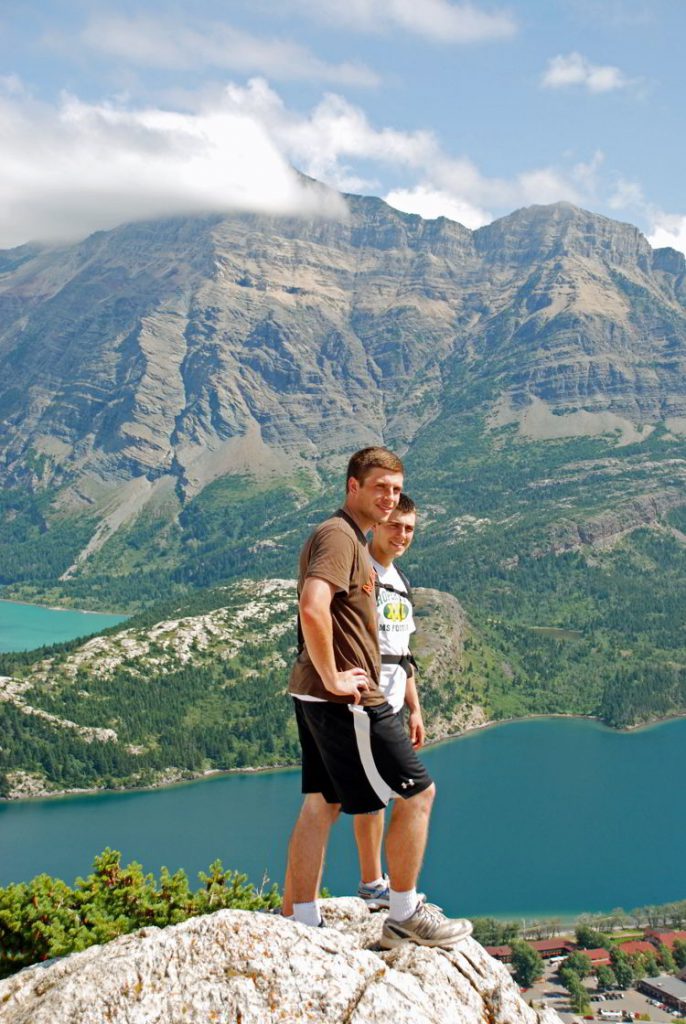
(535, 818)
(25, 626)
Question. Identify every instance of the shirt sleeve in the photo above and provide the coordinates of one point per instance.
(332, 558)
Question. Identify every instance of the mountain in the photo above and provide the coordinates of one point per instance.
(178, 398)
(165, 355)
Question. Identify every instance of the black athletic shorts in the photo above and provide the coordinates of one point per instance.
(357, 757)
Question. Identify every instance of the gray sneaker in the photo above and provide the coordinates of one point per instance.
(428, 926)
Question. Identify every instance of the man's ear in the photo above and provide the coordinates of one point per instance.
(353, 485)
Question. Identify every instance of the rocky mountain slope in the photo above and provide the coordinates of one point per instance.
(237, 965)
(145, 362)
(177, 400)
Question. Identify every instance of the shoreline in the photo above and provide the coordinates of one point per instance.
(57, 608)
(194, 778)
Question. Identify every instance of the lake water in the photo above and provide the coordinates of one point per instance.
(25, 626)
(541, 817)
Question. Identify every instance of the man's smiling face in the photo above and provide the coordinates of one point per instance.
(374, 499)
(393, 538)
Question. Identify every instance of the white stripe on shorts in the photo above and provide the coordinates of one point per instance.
(364, 748)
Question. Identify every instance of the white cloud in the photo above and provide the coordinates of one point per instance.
(72, 169)
(11, 84)
(669, 229)
(627, 195)
(77, 167)
(437, 20)
(575, 69)
(331, 141)
(431, 203)
(164, 43)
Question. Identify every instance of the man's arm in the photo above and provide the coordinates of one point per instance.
(415, 721)
(317, 628)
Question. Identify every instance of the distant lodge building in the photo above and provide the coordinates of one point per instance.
(664, 938)
(637, 946)
(559, 946)
(666, 988)
(547, 948)
(502, 953)
(599, 957)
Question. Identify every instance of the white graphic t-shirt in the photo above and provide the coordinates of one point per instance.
(396, 625)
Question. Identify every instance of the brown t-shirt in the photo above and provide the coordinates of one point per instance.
(337, 552)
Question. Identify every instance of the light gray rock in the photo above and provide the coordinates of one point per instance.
(238, 967)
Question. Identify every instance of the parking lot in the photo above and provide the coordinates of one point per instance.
(548, 990)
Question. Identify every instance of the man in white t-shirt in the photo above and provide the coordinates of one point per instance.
(389, 541)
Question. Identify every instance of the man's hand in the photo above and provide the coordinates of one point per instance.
(416, 727)
(351, 683)
(315, 621)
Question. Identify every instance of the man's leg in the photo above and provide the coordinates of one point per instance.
(306, 851)
(369, 836)
(406, 839)
(409, 917)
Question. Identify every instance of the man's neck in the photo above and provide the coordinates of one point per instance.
(363, 524)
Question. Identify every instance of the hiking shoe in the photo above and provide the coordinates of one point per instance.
(428, 926)
(377, 897)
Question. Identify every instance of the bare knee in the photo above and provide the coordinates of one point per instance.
(315, 809)
(419, 804)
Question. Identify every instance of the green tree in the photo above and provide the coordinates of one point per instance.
(621, 965)
(527, 963)
(606, 978)
(679, 952)
(578, 994)
(590, 938)
(490, 932)
(666, 959)
(45, 917)
(579, 963)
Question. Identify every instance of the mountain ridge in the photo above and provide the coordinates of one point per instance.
(178, 400)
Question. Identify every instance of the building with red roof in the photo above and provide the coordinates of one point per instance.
(599, 957)
(556, 946)
(637, 946)
(502, 953)
(664, 938)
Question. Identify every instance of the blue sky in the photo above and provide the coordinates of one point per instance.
(115, 112)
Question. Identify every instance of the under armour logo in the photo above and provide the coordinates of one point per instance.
(404, 785)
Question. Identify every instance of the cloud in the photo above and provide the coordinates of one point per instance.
(575, 69)
(69, 169)
(78, 167)
(669, 229)
(437, 20)
(336, 138)
(628, 195)
(153, 43)
(431, 203)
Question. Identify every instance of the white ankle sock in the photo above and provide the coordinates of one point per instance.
(307, 913)
(403, 904)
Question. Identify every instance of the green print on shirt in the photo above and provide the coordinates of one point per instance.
(395, 611)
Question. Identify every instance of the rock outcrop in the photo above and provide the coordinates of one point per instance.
(238, 967)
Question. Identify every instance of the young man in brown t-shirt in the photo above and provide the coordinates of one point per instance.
(356, 755)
